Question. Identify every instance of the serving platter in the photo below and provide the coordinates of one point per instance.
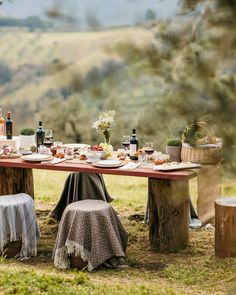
(77, 146)
(176, 166)
(108, 163)
(36, 158)
(10, 156)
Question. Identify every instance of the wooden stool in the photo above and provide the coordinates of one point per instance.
(89, 234)
(12, 249)
(18, 226)
(225, 227)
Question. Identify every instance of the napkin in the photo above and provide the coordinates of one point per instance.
(130, 166)
(57, 161)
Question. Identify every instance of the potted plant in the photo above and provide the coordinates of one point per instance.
(173, 148)
(27, 137)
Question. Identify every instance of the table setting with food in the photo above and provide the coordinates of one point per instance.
(168, 172)
(38, 146)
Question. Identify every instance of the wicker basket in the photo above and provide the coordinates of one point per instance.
(202, 154)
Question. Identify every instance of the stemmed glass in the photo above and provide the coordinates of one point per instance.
(48, 140)
(126, 142)
(149, 150)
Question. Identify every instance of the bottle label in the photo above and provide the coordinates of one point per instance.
(40, 141)
(9, 131)
(133, 148)
(2, 129)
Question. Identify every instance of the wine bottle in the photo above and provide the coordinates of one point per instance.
(9, 126)
(2, 124)
(40, 135)
(133, 145)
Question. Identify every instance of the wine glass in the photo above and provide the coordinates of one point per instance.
(48, 139)
(126, 142)
(149, 150)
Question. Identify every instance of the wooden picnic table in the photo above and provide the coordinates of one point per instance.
(168, 195)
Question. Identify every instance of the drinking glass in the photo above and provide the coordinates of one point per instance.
(69, 153)
(56, 145)
(48, 139)
(126, 142)
(149, 150)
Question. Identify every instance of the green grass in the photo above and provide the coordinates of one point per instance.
(194, 270)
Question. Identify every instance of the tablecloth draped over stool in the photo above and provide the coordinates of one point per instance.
(91, 229)
(81, 186)
(209, 182)
(18, 222)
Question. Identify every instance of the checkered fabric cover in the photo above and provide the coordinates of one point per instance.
(91, 229)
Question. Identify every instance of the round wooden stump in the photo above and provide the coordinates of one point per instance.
(225, 227)
(12, 249)
(16, 180)
(77, 262)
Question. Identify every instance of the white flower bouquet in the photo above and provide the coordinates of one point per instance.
(105, 124)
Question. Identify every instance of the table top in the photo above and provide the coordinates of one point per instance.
(71, 166)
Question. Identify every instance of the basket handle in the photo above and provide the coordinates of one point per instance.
(209, 131)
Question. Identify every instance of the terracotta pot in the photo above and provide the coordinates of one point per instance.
(174, 152)
(27, 140)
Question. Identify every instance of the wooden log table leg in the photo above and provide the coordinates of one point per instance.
(16, 180)
(168, 214)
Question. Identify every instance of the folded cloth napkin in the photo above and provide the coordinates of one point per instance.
(57, 161)
(130, 166)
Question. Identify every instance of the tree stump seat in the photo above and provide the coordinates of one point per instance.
(12, 249)
(225, 227)
(77, 262)
(19, 231)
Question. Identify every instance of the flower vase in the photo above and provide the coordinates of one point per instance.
(107, 141)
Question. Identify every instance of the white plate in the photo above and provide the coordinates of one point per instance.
(175, 166)
(25, 152)
(77, 146)
(36, 158)
(109, 163)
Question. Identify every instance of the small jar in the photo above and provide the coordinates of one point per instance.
(69, 153)
(60, 153)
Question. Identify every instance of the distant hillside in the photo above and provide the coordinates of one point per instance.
(42, 65)
(105, 13)
(32, 23)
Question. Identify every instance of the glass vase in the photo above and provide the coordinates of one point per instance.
(107, 136)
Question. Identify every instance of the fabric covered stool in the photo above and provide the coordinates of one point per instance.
(81, 186)
(18, 223)
(92, 230)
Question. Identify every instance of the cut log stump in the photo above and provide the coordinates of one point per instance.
(16, 180)
(168, 214)
(225, 227)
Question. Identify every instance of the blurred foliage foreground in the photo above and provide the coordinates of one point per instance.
(183, 72)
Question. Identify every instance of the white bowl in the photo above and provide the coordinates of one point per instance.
(25, 152)
(93, 156)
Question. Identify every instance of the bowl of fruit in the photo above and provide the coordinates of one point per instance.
(100, 150)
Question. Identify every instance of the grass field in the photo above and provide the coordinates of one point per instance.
(194, 270)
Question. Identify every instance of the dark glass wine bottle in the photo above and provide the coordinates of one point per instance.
(40, 135)
(9, 126)
(133, 145)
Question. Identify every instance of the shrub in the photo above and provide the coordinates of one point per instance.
(5, 72)
(27, 131)
(174, 142)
